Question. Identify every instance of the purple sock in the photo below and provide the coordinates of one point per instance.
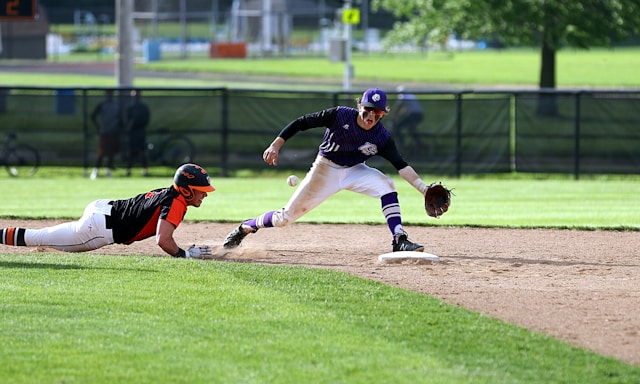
(391, 212)
(262, 221)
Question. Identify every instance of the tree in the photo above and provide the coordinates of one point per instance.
(551, 24)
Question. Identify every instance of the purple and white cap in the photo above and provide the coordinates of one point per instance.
(375, 98)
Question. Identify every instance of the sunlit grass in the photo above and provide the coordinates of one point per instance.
(89, 318)
(520, 201)
(615, 68)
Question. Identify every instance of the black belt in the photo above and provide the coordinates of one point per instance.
(108, 220)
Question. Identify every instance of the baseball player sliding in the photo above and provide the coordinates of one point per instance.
(352, 136)
(157, 212)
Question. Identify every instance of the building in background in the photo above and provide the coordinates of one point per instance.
(24, 38)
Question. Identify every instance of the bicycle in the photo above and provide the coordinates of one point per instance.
(19, 159)
(172, 151)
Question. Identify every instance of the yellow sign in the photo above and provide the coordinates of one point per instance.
(351, 16)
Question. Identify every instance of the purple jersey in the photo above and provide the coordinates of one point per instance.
(344, 142)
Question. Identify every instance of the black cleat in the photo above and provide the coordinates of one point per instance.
(234, 239)
(402, 243)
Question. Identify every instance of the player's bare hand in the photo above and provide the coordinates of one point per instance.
(270, 156)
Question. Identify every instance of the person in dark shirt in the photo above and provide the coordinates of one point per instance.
(352, 136)
(137, 117)
(107, 118)
(154, 213)
(407, 117)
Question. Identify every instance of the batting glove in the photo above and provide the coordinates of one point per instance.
(198, 251)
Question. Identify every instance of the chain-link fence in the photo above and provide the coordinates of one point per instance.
(590, 132)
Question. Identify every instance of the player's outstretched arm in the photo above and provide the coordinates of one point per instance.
(164, 237)
(412, 177)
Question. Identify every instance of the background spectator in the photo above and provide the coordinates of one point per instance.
(137, 117)
(109, 126)
(407, 116)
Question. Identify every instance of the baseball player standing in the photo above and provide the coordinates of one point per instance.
(352, 136)
(155, 213)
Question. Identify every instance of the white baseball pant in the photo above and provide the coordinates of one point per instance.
(86, 234)
(325, 179)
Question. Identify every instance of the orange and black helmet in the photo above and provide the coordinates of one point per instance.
(190, 177)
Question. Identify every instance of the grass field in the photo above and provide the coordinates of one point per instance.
(522, 201)
(91, 319)
(140, 319)
(615, 68)
(86, 318)
(606, 68)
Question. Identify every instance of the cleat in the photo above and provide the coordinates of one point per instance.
(234, 239)
(402, 243)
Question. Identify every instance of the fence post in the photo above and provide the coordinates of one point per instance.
(85, 131)
(576, 167)
(513, 132)
(458, 134)
(224, 115)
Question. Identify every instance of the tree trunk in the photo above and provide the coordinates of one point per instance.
(547, 103)
(548, 67)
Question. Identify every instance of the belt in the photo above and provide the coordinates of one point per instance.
(331, 163)
(108, 220)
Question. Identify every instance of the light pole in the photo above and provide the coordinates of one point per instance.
(124, 54)
(348, 69)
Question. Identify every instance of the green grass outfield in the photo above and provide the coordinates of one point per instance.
(78, 318)
(598, 67)
(608, 68)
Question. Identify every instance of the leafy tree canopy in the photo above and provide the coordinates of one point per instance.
(551, 24)
(578, 23)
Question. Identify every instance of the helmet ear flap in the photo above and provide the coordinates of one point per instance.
(185, 191)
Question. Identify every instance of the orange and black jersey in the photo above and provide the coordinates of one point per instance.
(137, 218)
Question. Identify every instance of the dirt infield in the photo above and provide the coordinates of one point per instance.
(578, 286)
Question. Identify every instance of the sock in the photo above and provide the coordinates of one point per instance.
(12, 236)
(391, 212)
(262, 221)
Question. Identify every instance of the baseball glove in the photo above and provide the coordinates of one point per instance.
(437, 199)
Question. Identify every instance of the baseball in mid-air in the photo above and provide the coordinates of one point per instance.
(292, 180)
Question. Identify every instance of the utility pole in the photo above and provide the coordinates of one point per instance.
(183, 29)
(365, 24)
(349, 16)
(124, 54)
(267, 32)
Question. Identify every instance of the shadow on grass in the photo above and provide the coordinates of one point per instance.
(35, 265)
